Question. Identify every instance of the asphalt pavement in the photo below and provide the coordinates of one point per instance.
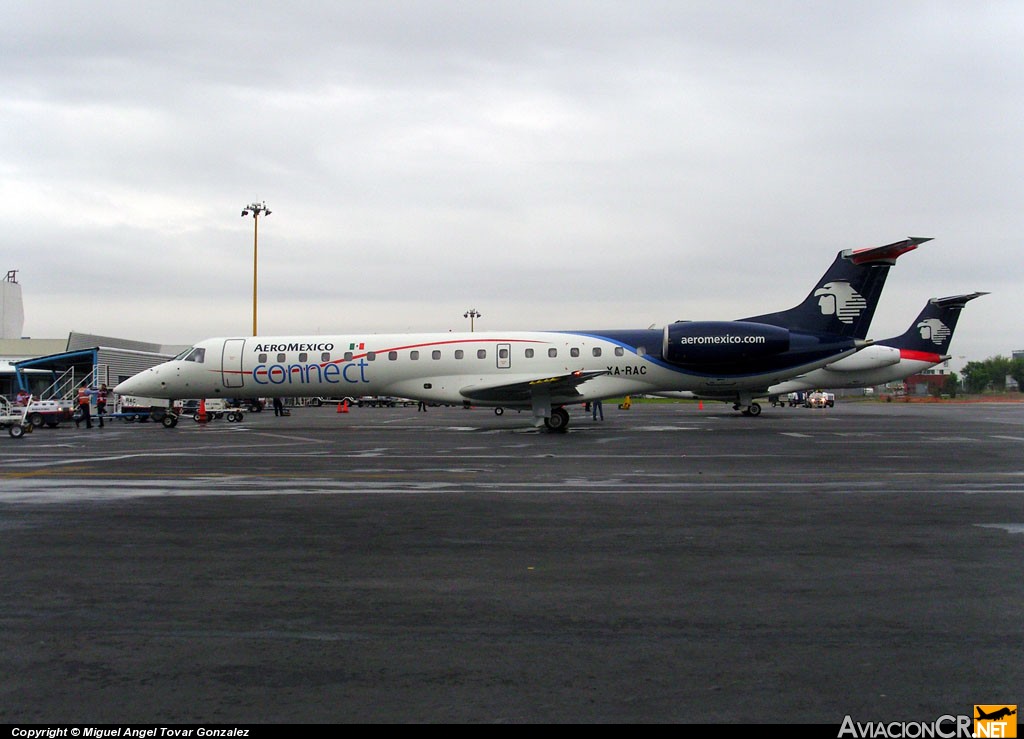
(673, 563)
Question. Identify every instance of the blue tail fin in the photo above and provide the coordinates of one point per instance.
(932, 331)
(843, 301)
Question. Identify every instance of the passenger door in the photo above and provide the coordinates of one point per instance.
(231, 363)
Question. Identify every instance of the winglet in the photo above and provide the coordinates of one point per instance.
(887, 254)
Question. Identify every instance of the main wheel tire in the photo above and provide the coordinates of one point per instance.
(558, 421)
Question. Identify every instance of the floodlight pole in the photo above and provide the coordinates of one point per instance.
(471, 314)
(257, 209)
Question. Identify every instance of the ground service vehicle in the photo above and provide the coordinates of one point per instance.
(821, 400)
(13, 418)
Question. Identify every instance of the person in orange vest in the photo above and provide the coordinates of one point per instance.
(101, 402)
(84, 398)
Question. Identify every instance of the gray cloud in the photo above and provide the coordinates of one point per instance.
(557, 165)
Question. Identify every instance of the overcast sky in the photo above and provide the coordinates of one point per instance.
(550, 164)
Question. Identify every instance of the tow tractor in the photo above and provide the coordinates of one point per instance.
(214, 408)
(13, 419)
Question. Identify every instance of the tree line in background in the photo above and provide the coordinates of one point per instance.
(991, 374)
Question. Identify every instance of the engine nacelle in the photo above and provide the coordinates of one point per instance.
(869, 358)
(721, 342)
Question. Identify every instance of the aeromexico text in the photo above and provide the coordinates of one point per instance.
(325, 347)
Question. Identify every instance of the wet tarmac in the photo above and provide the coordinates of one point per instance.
(670, 564)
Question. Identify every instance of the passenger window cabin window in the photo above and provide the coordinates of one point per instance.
(574, 352)
(303, 357)
(481, 354)
(414, 354)
(392, 356)
(262, 358)
(552, 352)
(371, 356)
(348, 356)
(436, 354)
(459, 354)
(281, 358)
(529, 353)
(619, 351)
(597, 351)
(325, 357)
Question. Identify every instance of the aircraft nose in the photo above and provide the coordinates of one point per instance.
(143, 384)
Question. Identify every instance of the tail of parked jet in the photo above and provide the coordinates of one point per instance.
(932, 332)
(843, 301)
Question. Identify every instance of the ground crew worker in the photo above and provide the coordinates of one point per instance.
(101, 402)
(84, 398)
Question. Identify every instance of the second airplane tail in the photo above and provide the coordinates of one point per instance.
(932, 331)
(843, 301)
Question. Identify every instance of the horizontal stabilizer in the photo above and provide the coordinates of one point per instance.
(956, 301)
(887, 254)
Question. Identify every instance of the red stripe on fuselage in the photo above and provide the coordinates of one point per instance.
(342, 360)
(437, 343)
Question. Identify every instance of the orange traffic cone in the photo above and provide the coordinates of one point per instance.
(202, 411)
(700, 405)
(343, 407)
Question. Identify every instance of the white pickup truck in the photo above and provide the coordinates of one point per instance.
(821, 400)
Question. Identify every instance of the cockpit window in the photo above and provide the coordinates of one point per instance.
(196, 355)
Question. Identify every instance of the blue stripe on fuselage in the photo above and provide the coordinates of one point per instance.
(809, 348)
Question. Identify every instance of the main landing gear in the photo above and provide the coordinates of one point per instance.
(753, 409)
(558, 420)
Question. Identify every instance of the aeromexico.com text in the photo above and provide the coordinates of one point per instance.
(727, 339)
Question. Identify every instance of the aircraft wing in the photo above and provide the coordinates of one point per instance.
(522, 392)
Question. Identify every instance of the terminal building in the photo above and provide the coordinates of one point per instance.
(55, 368)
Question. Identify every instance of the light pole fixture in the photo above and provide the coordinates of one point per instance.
(257, 210)
(472, 314)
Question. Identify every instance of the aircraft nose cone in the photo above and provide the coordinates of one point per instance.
(143, 383)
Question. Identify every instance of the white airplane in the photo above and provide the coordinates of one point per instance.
(543, 371)
(922, 346)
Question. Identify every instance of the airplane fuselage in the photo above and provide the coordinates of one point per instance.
(510, 369)
(892, 365)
